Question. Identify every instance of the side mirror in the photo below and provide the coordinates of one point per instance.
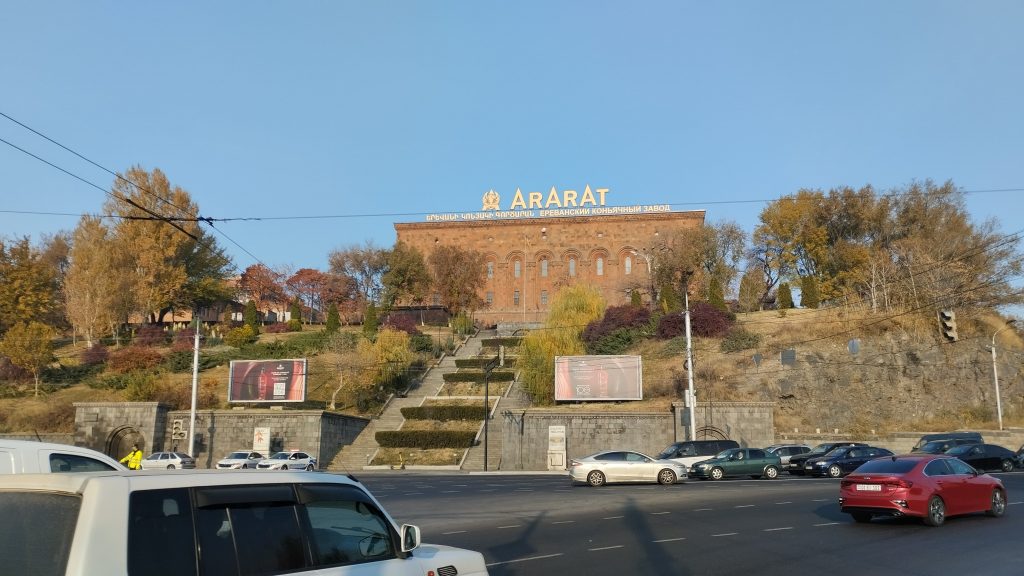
(410, 538)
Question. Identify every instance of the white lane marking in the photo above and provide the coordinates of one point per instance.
(725, 534)
(669, 540)
(454, 532)
(488, 490)
(611, 517)
(604, 548)
(524, 489)
(822, 500)
(702, 509)
(413, 493)
(657, 513)
(525, 559)
(783, 502)
(461, 485)
(509, 526)
(828, 524)
(1012, 503)
(744, 506)
(450, 491)
(776, 529)
(564, 522)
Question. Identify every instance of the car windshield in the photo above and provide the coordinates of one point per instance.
(667, 453)
(886, 466)
(237, 456)
(725, 453)
(821, 449)
(960, 450)
(933, 447)
(281, 456)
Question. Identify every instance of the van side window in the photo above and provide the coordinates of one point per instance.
(160, 521)
(75, 463)
(347, 527)
(708, 448)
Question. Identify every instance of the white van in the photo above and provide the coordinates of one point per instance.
(28, 457)
(150, 523)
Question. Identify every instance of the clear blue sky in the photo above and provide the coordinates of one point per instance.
(364, 108)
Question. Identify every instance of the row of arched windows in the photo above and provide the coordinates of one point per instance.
(517, 267)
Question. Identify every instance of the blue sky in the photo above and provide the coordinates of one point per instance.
(382, 108)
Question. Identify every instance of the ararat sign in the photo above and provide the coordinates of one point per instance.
(590, 202)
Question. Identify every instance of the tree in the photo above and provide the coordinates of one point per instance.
(572, 310)
(295, 310)
(715, 296)
(370, 322)
(751, 284)
(784, 300)
(365, 264)
(809, 292)
(333, 318)
(634, 298)
(96, 293)
(722, 248)
(251, 316)
(29, 346)
(28, 286)
(174, 262)
(407, 278)
(261, 285)
(308, 285)
(459, 276)
(342, 291)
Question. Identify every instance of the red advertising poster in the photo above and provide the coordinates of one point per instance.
(267, 381)
(586, 378)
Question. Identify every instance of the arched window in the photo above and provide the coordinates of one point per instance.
(629, 265)
(518, 268)
(572, 267)
(600, 266)
(515, 298)
(490, 269)
(544, 297)
(544, 268)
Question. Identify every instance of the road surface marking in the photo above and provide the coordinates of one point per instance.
(413, 493)
(524, 489)
(828, 524)
(1012, 503)
(744, 506)
(455, 532)
(725, 534)
(703, 509)
(564, 522)
(450, 491)
(509, 526)
(657, 513)
(822, 500)
(460, 485)
(525, 559)
(776, 529)
(488, 490)
(604, 548)
(611, 517)
(669, 540)
(783, 502)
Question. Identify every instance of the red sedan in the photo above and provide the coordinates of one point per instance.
(926, 486)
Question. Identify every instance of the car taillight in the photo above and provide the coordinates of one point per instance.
(901, 483)
(574, 464)
(845, 484)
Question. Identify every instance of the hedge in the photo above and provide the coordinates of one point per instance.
(425, 439)
(478, 377)
(444, 412)
(507, 342)
(478, 362)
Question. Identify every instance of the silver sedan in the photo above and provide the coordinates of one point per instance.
(624, 466)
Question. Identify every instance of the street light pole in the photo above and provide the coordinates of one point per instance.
(995, 373)
(195, 388)
(691, 398)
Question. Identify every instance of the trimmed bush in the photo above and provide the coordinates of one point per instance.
(617, 342)
(475, 362)
(615, 318)
(133, 358)
(508, 342)
(184, 339)
(444, 412)
(422, 343)
(738, 339)
(478, 377)
(425, 439)
(671, 326)
(708, 322)
(295, 325)
(69, 374)
(94, 355)
(401, 323)
(240, 336)
(150, 335)
(277, 328)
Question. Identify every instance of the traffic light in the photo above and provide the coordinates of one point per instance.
(947, 325)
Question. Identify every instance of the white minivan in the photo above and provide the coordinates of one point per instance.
(195, 522)
(29, 457)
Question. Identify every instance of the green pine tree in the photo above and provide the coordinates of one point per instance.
(809, 297)
(333, 318)
(784, 300)
(370, 322)
(715, 295)
(634, 298)
(295, 311)
(251, 316)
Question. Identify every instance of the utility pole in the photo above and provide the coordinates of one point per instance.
(691, 398)
(195, 387)
(995, 372)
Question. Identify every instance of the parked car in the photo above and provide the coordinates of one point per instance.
(796, 463)
(1020, 456)
(624, 466)
(752, 462)
(943, 446)
(289, 460)
(985, 457)
(842, 460)
(209, 522)
(927, 486)
(240, 459)
(787, 451)
(28, 457)
(970, 437)
(690, 452)
(168, 461)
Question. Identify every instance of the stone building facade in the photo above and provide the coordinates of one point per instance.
(529, 259)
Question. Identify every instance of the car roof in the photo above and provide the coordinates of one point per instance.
(75, 482)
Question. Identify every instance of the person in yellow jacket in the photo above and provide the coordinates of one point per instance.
(134, 458)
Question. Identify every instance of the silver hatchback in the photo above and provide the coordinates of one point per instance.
(624, 466)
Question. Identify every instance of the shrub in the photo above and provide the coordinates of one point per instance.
(251, 316)
(150, 335)
(462, 324)
(738, 339)
(179, 396)
(403, 323)
(184, 339)
(133, 358)
(140, 388)
(616, 318)
(444, 412)
(295, 325)
(240, 336)
(507, 342)
(422, 343)
(69, 374)
(117, 381)
(278, 328)
(671, 326)
(333, 318)
(94, 355)
(12, 373)
(425, 439)
(478, 377)
(617, 342)
(370, 322)
(708, 321)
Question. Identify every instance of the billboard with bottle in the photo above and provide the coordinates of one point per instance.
(267, 380)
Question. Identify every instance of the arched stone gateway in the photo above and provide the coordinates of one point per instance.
(121, 440)
(710, 433)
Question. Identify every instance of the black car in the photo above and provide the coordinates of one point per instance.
(796, 463)
(843, 460)
(985, 456)
(943, 446)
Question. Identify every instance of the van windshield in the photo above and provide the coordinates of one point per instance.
(37, 531)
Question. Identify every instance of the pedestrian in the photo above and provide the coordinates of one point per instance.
(134, 458)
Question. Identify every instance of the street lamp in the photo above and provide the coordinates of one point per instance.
(995, 372)
(691, 398)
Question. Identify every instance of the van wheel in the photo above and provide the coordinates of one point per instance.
(284, 467)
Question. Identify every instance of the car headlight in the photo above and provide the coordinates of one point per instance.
(703, 466)
(821, 464)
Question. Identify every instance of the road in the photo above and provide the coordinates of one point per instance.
(541, 525)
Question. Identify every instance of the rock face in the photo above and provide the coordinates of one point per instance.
(892, 383)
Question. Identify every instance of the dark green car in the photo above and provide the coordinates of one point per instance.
(752, 462)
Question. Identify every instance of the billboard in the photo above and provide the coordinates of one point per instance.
(267, 380)
(585, 378)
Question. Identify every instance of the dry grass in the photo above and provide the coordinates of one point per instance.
(473, 389)
(458, 425)
(416, 457)
(450, 402)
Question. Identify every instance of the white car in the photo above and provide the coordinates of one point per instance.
(288, 460)
(153, 523)
(239, 459)
(624, 466)
(27, 457)
(168, 461)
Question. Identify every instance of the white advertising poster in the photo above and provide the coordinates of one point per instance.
(595, 378)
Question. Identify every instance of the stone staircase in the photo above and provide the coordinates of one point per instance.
(474, 462)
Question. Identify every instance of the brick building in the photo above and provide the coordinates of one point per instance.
(531, 258)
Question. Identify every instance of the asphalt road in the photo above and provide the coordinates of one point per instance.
(541, 525)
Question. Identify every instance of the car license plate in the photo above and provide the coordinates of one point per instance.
(809, 467)
(869, 487)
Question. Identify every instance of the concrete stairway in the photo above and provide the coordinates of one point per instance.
(474, 462)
